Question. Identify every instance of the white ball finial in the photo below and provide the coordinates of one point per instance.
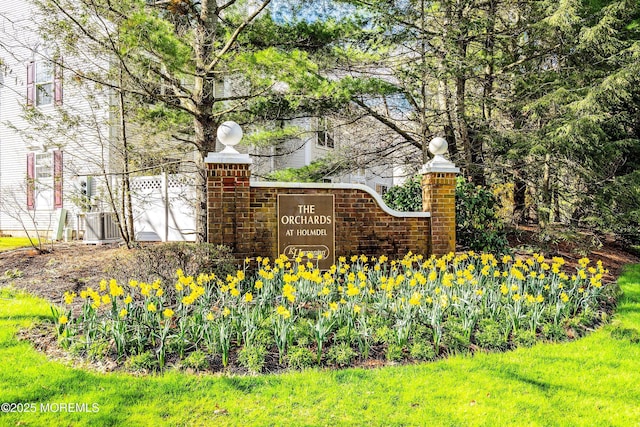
(229, 134)
(438, 146)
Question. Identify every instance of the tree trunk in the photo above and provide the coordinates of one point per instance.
(544, 209)
(205, 125)
(472, 149)
(487, 84)
(205, 128)
(519, 199)
(424, 131)
(127, 209)
(556, 205)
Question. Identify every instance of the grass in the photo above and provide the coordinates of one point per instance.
(10, 243)
(592, 381)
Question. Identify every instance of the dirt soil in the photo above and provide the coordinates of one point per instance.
(69, 266)
(73, 266)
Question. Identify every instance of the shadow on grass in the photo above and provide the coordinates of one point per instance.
(9, 318)
(246, 385)
(513, 375)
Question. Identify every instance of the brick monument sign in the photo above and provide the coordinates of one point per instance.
(268, 219)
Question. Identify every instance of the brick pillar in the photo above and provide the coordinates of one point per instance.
(228, 198)
(439, 198)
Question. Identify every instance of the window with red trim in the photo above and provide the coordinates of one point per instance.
(44, 83)
(44, 180)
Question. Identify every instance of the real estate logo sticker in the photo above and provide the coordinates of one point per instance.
(306, 224)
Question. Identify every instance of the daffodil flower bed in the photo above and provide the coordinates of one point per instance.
(292, 314)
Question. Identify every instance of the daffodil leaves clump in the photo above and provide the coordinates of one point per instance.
(414, 308)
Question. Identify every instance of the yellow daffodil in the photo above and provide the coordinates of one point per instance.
(282, 311)
(145, 289)
(352, 291)
(415, 299)
(69, 297)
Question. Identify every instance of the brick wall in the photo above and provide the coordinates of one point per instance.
(244, 217)
(361, 226)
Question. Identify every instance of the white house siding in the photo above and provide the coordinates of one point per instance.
(378, 177)
(85, 147)
(304, 150)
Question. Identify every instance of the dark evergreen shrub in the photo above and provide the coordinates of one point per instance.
(478, 226)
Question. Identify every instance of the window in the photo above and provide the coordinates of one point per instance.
(43, 168)
(44, 180)
(359, 176)
(325, 134)
(381, 189)
(44, 84)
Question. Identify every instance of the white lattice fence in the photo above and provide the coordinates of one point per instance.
(163, 207)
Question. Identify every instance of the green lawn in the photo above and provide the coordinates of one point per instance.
(9, 243)
(592, 381)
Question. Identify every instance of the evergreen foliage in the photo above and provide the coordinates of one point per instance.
(406, 197)
(478, 226)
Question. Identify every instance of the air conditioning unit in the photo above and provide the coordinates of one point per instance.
(101, 227)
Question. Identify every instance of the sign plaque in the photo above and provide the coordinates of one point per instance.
(306, 224)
